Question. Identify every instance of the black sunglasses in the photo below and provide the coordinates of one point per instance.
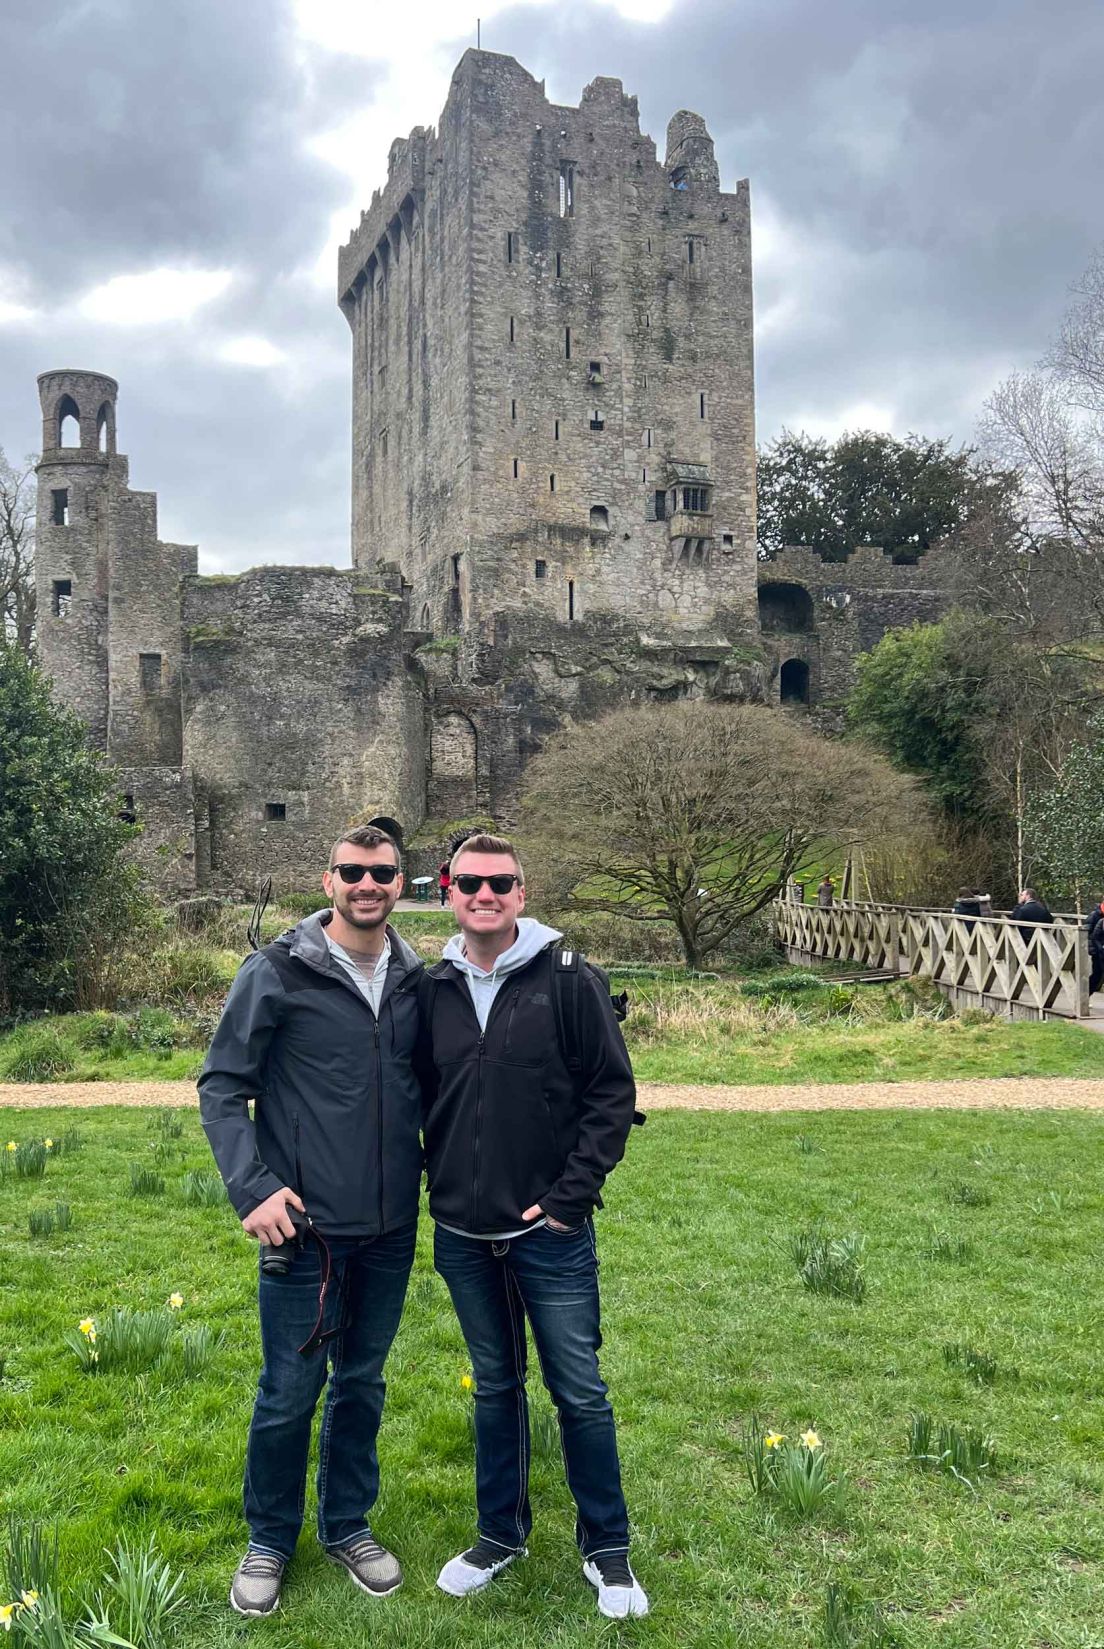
(383, 874)
(497, 884)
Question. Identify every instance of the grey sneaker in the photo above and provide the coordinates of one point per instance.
(619, 1592)
(477, 1567)
(255, 1588)
(371, 1566)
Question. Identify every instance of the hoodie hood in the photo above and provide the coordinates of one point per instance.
(532, 937)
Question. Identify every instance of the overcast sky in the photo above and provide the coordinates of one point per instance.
(177, 176)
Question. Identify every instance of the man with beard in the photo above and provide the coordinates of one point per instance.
(319, 1030)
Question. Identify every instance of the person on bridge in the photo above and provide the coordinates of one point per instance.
(1030, 909)
(826, 894)
(968, 905)
(1096, 947)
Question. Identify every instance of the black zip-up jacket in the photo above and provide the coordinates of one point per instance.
(338, 1103)
(506, 1125)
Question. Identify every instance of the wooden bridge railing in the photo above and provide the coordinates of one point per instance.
(1036, 971)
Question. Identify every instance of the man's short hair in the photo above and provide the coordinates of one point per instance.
(1029, 893)
(365, 836)
(483, 842)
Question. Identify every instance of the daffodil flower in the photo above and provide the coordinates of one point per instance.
(810, 1439)
(12, 1146)
(7, 1610)
(49, 1144)
(87, 1325)
(175, 1301)
(28, 1599)
(467, 1383)
(774, 1439)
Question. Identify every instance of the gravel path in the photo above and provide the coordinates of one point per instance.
(1015, 1093)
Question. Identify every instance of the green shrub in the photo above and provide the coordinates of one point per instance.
(37, 1052)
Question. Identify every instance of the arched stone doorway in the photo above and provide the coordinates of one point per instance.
(793, 682)
(785, 607)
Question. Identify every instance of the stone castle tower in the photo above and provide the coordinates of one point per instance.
(553, 401)
(553, 510)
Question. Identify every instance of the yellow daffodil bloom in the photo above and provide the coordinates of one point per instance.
(12, 1146)
(774, 1439)
(175, 1301)
(467, 1383)
(49, 1144)
(87, 1325)
(28, 1599)
(810, 1439)
(7, 1610)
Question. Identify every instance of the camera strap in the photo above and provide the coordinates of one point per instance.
(319, 1336)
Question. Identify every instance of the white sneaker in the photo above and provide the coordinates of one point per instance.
(619, 1592)
(476, 1567)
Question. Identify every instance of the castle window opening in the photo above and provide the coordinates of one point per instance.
(456, 569)
(649, 243)
(596, 419)
(60, 498)
(785, 607)
(511, 245)
(128, 813)
(679, 179)
(644, 476)
(68, 422)
(793, 686)
(594, 372)
(559, 265)
(690, 250)
(383, 443)
(701, 404)
(571, 598)
(726, 541)
(567, 189)
(647, 437)
(556, 430)
(647, 322)
(103, 427)
(515, 469)
(696, 500)
(540, 569)
(567, 343)
(599, 518)
(645, 380)
(513, 410)
(512, 338)
(63, 597)
(661, 504)
(551, 483)
(275, 811)
(149, 672)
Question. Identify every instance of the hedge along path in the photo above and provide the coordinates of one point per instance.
(999, 1094)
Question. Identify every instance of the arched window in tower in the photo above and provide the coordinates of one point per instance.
(68, 422)
(599, 518)
(793, 686)
(105, 429)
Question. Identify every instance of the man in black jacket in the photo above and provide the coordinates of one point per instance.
(1030, 909)
(520, 1133)
(320, 1029)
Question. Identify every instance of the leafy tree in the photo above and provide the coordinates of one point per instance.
(1065, 823)
(868, 488)
(67, 896)
(696, 814)
(17, 532)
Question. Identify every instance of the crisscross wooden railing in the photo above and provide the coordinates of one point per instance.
(1024, 971)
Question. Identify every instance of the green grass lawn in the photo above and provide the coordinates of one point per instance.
(706, 1323)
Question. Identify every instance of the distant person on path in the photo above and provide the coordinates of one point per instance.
(826, 894)
(319, 1030)
(968, 905)
(528, 1106)
(443, 880)
(1096, 947)
(1030, 909)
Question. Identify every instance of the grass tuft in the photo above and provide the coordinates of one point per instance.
(978, 1366)
(144, 1182)
(968, 1195)
(830, 1265)
(29, 1159)
(959, 1452)
(948, 1250)
(202, 1189)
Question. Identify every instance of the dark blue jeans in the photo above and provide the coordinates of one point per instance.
(551, 1278)
(368, 1287)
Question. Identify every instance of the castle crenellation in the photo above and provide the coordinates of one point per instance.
(553, 491)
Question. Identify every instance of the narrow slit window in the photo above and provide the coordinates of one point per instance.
(515, 469)
(513, 410)
(661, 505)
(556, 430)
(647, 319)
(511, 329)
(559, 265)
(701, 404)
(690, 250)
(63, 597)
(456, 569)
(571, 598)
(383, 443)
(644, 477)
(275, 811)
(647, 437)
(540, 569)
(511, 246)
(60, 498)
(567, 343)
(551, 483)
(149, 672)
(596, 419)
(567, 189)
(128, 813)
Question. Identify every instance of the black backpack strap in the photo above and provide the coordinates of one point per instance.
(565, 1004)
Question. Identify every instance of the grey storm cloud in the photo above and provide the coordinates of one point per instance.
(924, 188)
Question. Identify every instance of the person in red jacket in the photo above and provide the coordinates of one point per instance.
(443, 880)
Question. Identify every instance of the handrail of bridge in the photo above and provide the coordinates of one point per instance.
(1023, 970)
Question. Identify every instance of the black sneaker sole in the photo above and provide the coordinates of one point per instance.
(359, 1584)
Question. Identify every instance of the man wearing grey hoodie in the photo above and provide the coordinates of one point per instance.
(520, 1132)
